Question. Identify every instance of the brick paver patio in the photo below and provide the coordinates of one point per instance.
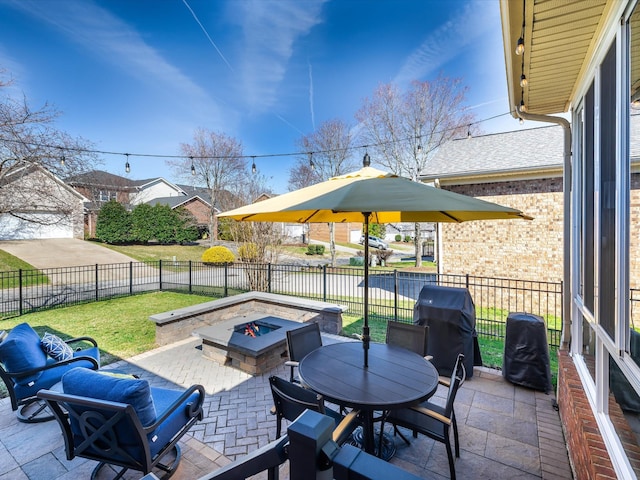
(506, 431)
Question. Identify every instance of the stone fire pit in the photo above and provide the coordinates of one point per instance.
(220, 324)
(236, 342)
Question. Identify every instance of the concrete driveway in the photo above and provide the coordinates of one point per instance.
(61, 252)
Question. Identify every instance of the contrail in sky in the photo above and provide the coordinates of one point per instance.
(207, 34)
(313, 115)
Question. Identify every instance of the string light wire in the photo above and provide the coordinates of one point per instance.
(253, 157)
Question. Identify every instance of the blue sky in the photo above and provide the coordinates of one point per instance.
(140, 76)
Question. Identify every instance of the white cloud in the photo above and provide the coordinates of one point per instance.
(270, 29)
(99, 31)
(447, 42)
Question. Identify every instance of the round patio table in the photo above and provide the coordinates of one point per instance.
(396, 378)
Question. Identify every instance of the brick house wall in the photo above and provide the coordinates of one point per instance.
(199, 210)
(527, 250)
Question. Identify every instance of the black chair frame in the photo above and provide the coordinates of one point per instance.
(421, 418)
(98, 419)
(300, 342)
(409, 336)
(30, 408)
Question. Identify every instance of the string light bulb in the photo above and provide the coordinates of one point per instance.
(523, 81)
(127, 167)
(521, 120)
(62, 160)
(193, 167)
(523, 107)
(520, 46)
(469, 131)
(253, 165)
(311, 164)
(366, 160)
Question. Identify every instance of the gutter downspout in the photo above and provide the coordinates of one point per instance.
(566, 187)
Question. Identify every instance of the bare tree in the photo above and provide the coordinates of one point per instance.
(33, 152)
(215, 160)
(331, 146)
(405, 129)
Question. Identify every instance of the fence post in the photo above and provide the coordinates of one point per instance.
(160, 274)
(190, 280)
(97, 291)
(395, 294)
(324, 283)
(20, 291)
(226, 280)
(269, 277)
(308, 435)
(466, 281)
(130, 278)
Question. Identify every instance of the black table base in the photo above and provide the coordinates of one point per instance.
(388, 444)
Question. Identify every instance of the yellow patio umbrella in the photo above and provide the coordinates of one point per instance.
(370, 195)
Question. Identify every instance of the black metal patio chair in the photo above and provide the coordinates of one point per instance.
(300, 342)
(29, 363)
(290, 400)
(433, 420)
(120, 420)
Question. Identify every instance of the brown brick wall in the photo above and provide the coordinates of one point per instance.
(199, 210)
(527, 250)
(587, 452)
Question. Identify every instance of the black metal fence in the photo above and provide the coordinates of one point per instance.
(393, 293)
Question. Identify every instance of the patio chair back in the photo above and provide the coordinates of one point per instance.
(300, 342)
(290, 400)
(409, 336)
(134, 433)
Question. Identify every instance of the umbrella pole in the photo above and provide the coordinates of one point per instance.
(365, 328)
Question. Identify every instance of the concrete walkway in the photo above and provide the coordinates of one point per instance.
(505, 431)
(62, 252)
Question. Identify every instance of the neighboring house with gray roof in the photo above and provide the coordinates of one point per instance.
(520, 169)
(100, 187)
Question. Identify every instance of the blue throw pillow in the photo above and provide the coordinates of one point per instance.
(20, 351)
(105, 386)
(55, 347)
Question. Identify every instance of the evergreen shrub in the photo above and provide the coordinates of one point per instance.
(218, 254)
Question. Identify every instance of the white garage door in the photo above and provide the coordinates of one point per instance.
(52, 226)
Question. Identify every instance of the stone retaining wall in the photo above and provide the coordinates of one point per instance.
(179, 324)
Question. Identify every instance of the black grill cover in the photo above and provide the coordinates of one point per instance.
(526, 352)
(451, 316)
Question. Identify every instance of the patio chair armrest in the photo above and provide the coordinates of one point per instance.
(444, 381)
(49, 366)
(428, 358)
(291, 363)
(194, 410)
(82, 339)
(346, 427)
(432, 414)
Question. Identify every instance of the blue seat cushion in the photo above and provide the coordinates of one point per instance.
(21, 351)
(103, 386)
(163, 398)
(49, 377)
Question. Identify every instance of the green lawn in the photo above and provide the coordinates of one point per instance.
(152, 253)
(9, 263)
(121, 326)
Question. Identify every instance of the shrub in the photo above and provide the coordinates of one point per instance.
(407, 238)
(114, 223)
(314, 249)
(383, 255)
(218, 254)
(248, 252)
(398, 238)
